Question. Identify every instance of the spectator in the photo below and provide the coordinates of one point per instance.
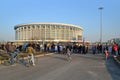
(12, 52)
(115, 48)
(110, 49)
(94, 49)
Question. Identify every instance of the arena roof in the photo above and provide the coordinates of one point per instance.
(51, 23)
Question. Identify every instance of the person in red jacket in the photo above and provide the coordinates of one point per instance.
(115, 48)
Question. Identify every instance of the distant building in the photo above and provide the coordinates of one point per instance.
(48, 32)
(117, 40)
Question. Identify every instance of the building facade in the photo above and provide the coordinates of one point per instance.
(48, 32)
(117, 40)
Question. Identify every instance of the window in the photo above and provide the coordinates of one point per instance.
(24, 27)
(28, 27)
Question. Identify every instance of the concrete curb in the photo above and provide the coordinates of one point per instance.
(36, 56)
(44, 55)
(118, 62)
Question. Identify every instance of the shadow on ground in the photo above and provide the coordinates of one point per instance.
(114, 68)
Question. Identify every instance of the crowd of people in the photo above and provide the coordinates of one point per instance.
(113, 48)
(106, 49)
(61, 48)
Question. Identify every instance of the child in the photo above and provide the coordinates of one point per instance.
(106, 54)
(69, 54)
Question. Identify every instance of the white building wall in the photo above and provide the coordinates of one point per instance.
(63, 32)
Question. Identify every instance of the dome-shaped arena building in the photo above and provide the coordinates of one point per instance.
(48, 31)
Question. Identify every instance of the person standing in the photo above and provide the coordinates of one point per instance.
(12, 52)
(7, 47)
(83, 50)
(110, 49)
(115, 48)
(30, 55)
(94, 49)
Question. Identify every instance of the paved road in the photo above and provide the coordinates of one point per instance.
(56, 67)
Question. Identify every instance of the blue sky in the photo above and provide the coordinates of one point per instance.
(84, 13)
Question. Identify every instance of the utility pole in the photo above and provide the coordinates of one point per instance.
(100, 8)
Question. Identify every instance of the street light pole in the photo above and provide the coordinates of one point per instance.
(100, 8)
